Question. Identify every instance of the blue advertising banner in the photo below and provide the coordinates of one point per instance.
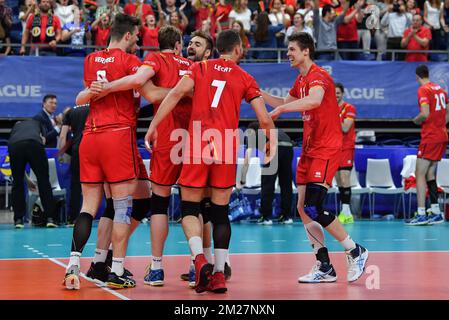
(380, 90)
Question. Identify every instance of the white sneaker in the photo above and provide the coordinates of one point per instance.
(72, 278)
(356, 262)
(288, 221)
(316, 275)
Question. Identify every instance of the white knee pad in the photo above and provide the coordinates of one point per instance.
(123, 208)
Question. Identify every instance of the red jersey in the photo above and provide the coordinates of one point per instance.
(101, 35)
(348, 111)
(149, 37)
(43, 31)
(423, 33)
(169, 68)
(322, 136)
(117, 109)
(220, 86)
(131, 8)
(348, 31)
(434, 127)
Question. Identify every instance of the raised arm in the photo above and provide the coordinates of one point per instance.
(274, 101)
(312, 101)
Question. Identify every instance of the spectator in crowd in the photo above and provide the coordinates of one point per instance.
(206, 27)
(5, 26)
(48, 120)
(65, 12)
(265, 36)
(347, 36)
(298, 26)
(26, 146)
(278, 16)
(222, 11)
(432, 15)
(325, 28)
(43, 28)
(149, 33)
(242, 14)
(111, 8)
(412, 8)
(179, 20)
(417, 37)
(363, 30)
(238, 26)
(78, 33)
(306, 10)
(170, 7)
(203, 10)
(397, 21)
(381, 33)
(26, 10)
(138, 9)
(101, 28)
(5, 43)
(444, 20)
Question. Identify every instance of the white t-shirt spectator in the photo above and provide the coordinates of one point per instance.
(397, 23)
(433, 15)
(244, 17)
(65, 13)
(291, 29)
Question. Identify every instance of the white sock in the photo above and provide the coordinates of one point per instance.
(348, 243)
(220, 259)
(228, 261)
(100, 255)
(208, 255)
(117, 266)
(346, 209)
(156, 263)
(315, 234)
(196, 246)
(421, 211)
(435, 207)
(192, 260)
(74, 259)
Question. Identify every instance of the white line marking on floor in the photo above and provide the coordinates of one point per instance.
(248, 241)
(305, 240)
(25, 246)
(118, 295)
(90, 244)
(182, 242)
(147, 242)
(430, 239)
(280, 240)
(400, 239)
(369, 240)
(44, 256)
(54, 245)
(40, 253)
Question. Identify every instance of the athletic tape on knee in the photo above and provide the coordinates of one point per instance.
(141, 207)
(189, 208)
(109, 209)
(159, 205)
(313, 205)
(345, 195)
(205, 209)
(123, 208)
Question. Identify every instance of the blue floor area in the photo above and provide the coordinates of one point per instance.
(246, 238)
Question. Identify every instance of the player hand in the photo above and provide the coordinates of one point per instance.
(98, 87)
(150, 138)
(275, 114)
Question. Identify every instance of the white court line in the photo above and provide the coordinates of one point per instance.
(118, 295)
(369, 240)
(247, 241)
(54, 245)
(400, 239)
(280, 240)
(430, 239)
(182, 242)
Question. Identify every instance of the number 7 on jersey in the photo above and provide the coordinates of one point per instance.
(219, 84)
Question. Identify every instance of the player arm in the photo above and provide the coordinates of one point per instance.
(134, 81)
(275, 101)
(267, 125)
(153, 93)
(85, 96)
(423, 114)
(63, 136)
(347, 124)
(245, 167)
(312, 101)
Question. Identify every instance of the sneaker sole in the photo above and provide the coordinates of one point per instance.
(417, 224)
(113, 285)
(72, 282)
(204, 280)
(363, 270)
(96, 281)
(192, 285)
(437, 222)
(318, 281)
(159, 283)
(220, 290)
(19, 226)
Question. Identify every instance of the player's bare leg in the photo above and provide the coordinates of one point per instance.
(159, 231)
(92, 195)
(344, 186)
(422, 167)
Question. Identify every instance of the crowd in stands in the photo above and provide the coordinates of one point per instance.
(335, 24)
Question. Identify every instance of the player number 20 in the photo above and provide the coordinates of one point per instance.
(441, 102)
(219, 84)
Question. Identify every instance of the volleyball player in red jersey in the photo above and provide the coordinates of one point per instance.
(313, 94)
(107, 150)
(218, 87)
(433, 116)
(347, 118)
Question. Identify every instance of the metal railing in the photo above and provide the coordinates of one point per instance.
(280, 52)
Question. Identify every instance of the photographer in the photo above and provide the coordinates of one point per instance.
(397, 21)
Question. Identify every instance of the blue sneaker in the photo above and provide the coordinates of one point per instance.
(418, 220)
(192, 278)
(435, 218)
(154, 278)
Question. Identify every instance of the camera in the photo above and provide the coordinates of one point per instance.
(396, 7)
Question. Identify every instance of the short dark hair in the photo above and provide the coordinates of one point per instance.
(327, 8)
(340, 86)
(123, 23)
(304, 41)
(205, 36)
(168, 36)
(422, 71)
(48, 96)
(227, 40)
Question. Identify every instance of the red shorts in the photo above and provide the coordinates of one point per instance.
(108, 156)
(315, 170)
(208, 175)
(346, 159)
(432, 151)
(163, 171)
(143, 174)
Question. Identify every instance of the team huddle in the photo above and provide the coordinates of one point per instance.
(198, 96)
